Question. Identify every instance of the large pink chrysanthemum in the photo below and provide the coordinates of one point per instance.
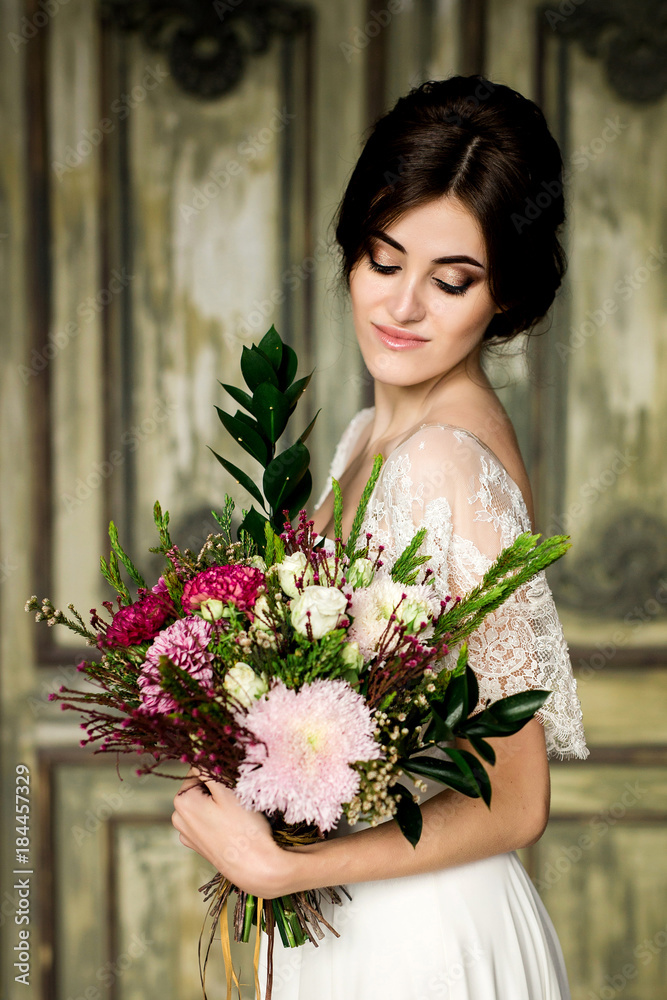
(184, 643)
(238, 585)
(309, 739)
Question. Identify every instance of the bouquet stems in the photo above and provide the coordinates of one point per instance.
(298, 917)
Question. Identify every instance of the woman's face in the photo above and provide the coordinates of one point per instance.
(420, 297)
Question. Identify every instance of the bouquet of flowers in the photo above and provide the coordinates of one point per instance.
(305, 675)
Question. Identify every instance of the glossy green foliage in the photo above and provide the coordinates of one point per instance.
(268, 369)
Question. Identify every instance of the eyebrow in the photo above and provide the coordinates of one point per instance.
(457, 259)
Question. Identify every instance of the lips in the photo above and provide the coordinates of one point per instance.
(397, 339)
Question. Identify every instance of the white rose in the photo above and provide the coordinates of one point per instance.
(244, 685)
(360, 573)
(326, 606)
(291, 569)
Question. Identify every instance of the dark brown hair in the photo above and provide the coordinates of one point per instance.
(489, 147)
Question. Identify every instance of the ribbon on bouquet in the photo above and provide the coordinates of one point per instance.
(230, 975)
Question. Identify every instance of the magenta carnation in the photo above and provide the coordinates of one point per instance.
(139, 622)
(184, 643)
(238, 585)
(308, 738)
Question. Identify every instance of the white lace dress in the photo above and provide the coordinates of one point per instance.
(478, 931)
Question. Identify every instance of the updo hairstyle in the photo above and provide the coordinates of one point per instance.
(489, 147)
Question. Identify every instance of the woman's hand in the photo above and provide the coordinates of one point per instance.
(239, 843)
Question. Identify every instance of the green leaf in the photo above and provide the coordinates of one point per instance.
(514, 566)
(439, 731)
(271, 409)
(295, 391)
(162, 524)
(239, 396)
(284, 472)
(242, 478)
(298, 498)
(406, 567)
(483, 724)
(517, 709)
(272, 346)
(225, 519)
(408, 814)
(256, 369)
(473, 689)
(249, 439)
(134, 573)
(444, 772)
(483, 748)
(269, 544)
(288, 367)
(304, 435)
(254, 523)
(470, 766)
(363, 504)
(453, 705)
(249, 421)
(112, 576)
(338, 514)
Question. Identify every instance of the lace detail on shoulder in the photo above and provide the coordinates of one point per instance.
(445, 479)
(343, 450)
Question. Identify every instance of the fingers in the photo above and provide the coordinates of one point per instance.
(179, 823)
(219, 792)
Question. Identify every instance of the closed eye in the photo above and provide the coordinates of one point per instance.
(450, 289)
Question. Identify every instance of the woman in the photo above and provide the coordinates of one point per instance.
(440, 261)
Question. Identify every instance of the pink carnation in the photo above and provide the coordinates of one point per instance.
(306, 741)
(184, 643)
(139, 622)
(237, 585)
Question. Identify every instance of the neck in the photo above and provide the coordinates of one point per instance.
(399, 408)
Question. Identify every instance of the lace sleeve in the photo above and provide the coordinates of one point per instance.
(343, 450)
(447, 480)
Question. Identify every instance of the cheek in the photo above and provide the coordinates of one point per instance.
(463, 316)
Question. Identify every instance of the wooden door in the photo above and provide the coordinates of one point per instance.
(151, 222)
(591, 414)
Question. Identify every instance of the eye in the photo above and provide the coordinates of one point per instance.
(454, 289)
(450, 289)
(382, 268)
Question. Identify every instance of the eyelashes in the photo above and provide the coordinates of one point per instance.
(450, 289)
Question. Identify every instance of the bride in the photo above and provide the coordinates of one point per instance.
(441, 261)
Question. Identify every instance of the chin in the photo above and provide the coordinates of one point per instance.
(397, 371)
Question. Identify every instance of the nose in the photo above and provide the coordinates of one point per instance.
(405, 303)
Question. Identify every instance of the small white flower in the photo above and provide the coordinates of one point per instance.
(291, 569)
(264, 616)
(324, 606)
(244, 685)
(257, 562)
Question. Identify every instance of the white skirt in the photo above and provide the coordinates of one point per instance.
(478, 931)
